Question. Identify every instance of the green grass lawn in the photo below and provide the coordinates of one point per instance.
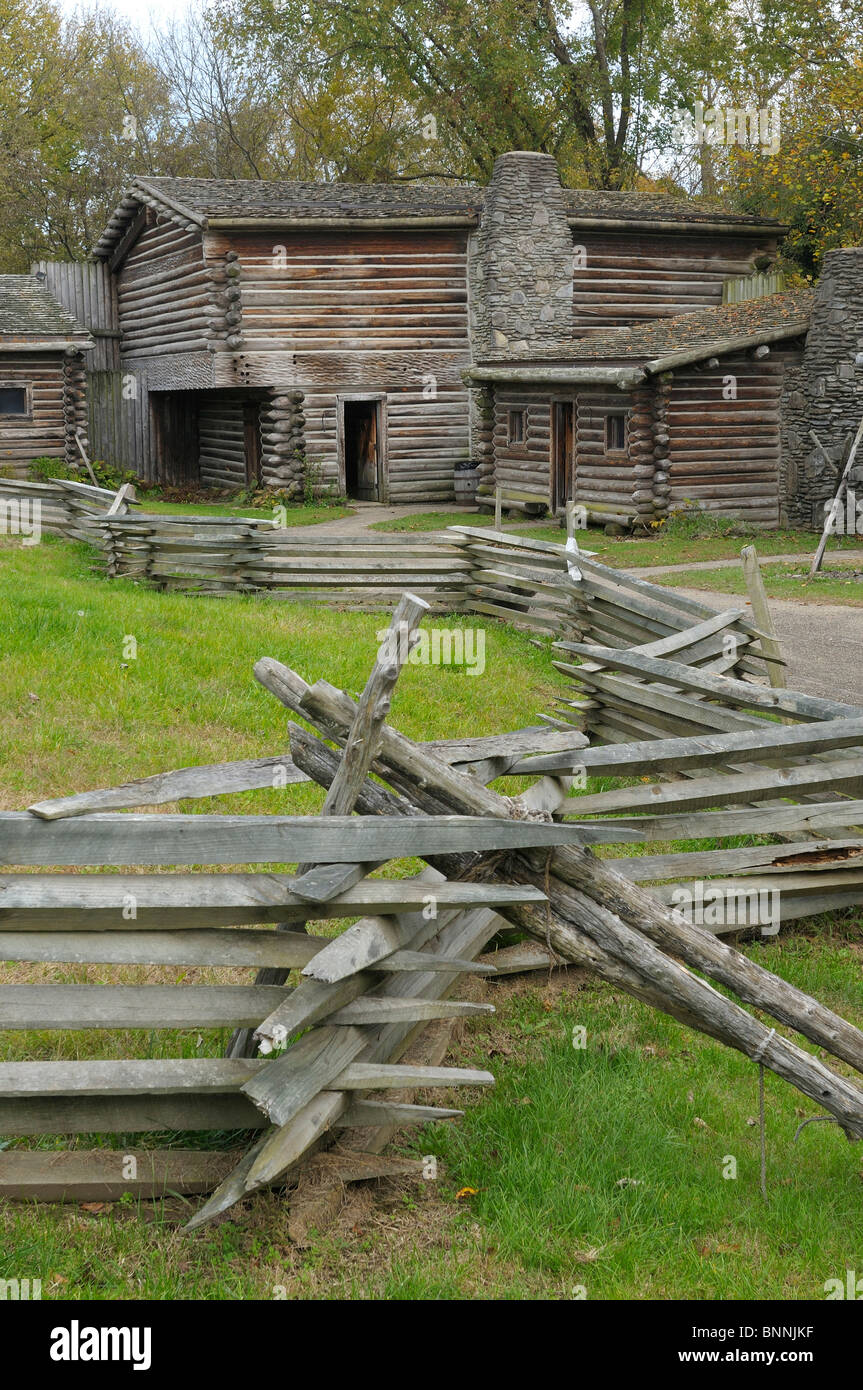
(598, 1168)
(297, 516)
(683, 541)
(432, 521)
(838, 582)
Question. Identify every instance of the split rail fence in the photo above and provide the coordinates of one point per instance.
(663, 691)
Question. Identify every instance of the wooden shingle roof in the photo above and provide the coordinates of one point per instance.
(29, 312)
(706, 328)
(197, 202)
(625, 355)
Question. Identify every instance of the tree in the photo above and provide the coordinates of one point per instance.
(79, 103)
(494, 76)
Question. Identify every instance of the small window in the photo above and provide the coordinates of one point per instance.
(515, 429)
(13, 400)
(615, 434)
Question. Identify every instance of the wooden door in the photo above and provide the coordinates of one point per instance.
(362, 451)
(563, 454)
(252, 442)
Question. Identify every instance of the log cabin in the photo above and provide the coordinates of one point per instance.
(670, 414)
(42, 377)
(293, 335)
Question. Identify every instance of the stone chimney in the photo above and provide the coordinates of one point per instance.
(521, 272)
(825, 394)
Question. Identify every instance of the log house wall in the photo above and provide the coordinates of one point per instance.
(627, 277)
(603, 479)
(165, 293)
(725, 453)
(333, 312)
(221, 441)
(528, 464)
(43, 431)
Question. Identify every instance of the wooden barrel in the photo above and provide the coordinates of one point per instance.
(466, 481)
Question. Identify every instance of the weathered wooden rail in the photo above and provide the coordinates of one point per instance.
(213, 555)
(64, 508)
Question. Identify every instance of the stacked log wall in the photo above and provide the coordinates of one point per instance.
(603, 481)
(43, 432)
(165, 293)
(624, 277)
(528, 464)
(221, 442)
(725, 449)
(342, 312)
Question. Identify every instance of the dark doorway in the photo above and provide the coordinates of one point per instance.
(562, 454)
(362, 450)
(174, 438)
(252, 442)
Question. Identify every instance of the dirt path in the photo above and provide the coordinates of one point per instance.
(648, 571)
(822, 643)
(360, 524)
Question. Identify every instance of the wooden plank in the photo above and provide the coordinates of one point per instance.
(106, 1114)
(523, 956)
(690, 636)
(136, 1006)
(380, 1076)
(421, 960)
(779, 859)
(521, 743)
(603, 684)
(102, 1175)
(168, 839)
(761, 612)
(761, 820)
(647, 757)
(373, 1009)
(284, 1086)
(740, 788)
(798, 885)
(147, 1076)
(363, 740)
(132, 902)
(373, 1113)
(286, 950)
(215, 779)
(738, 693)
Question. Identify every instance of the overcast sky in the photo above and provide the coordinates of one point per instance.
(144, 14)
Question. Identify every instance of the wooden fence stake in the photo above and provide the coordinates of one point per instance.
(762, 615)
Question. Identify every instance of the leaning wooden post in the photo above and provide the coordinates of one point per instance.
(363, 742)
(770, 647)
(837, 501)
(498, 508)
(361, 749)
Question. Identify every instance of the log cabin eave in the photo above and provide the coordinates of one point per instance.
(685, 227)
